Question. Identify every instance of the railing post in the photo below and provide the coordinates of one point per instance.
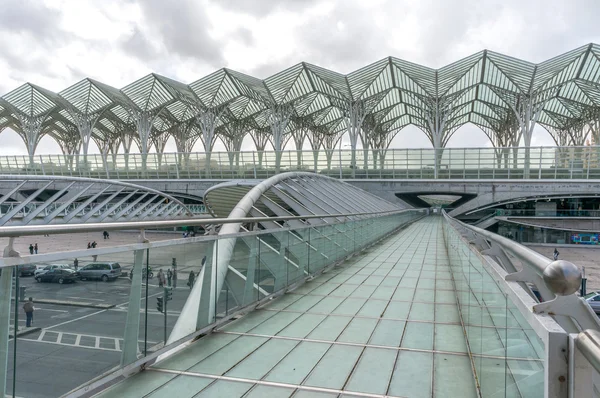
(540, 167)
(132, 324)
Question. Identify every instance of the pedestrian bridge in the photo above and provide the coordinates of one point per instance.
(307, 295)
(538, 163)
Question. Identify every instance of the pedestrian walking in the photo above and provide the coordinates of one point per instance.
(30, 248)
(169, 276)
(94, 244)
(161, 277)
(76, 264)
(35, 248)
(174, 277)
(555, 254)
(89, 245)
(203, 262)
(191, 279)
(28, 308)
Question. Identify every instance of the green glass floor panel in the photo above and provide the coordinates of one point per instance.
(197, 351)
(412, 375)
(248, 322)
(137, 386)
(446, 313)
(261, 361)
(181, 387)
(388, 333)
(302, 326)
(325, 289)
(449, 338)
(425, 295)
(373, 371)
(391, 281)
(313, 394)
(374, 280)
(294, 368)
(330, 328)
(444, 284)
(422, 312)
(228, 356)
(262, 391)
(425, 283)
(344, 290)
(373, 308)
(225, 389)
(326, 305)
(445, 297)
(383, 292)
(453, 377)
(276, 323)
(363, 291)
(305, 303)
(358, 331)
(283, 301)
(418, 335)
(404, 294)
(333, 369)
(350, 306)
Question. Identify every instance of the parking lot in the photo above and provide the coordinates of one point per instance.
(79, 337)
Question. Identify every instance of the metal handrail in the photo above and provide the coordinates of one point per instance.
(561, 277)
(29, 230)
(588, 342)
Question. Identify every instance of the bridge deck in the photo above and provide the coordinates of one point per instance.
(384, 323)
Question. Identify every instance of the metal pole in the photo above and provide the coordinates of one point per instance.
(146, 306)
(165, 312)
(14, 386)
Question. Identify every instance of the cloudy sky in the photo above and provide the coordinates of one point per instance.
(55, 43)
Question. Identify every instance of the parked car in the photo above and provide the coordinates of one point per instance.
(27, 269)
(49, 267)
(103, 271)
(593, 299)
(57, 275)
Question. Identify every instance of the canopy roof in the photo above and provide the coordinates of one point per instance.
(484, 89)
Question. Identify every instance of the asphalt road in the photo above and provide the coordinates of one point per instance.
(76, 344)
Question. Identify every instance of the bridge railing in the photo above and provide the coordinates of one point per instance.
(448, 163)
(498, 283)
(264, 264)
(546, 213)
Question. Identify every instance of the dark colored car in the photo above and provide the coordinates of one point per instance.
(103, 271)
(27, 269)
(57, 275)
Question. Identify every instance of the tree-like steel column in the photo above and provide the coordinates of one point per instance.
(207, 120)
(436, 116)
(30, 132)
(278, 121)
(527, 109)
(355, 115)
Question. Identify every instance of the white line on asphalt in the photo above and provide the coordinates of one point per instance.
(85, 298)
(47, 309)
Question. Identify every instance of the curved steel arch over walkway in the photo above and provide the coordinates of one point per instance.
(30, 200)
(502, 95)
(288, 194)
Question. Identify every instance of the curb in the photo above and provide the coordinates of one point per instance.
(25, 332)
(75, 303)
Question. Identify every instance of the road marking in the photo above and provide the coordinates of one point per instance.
(56, 338)
(47, 309)
(82, 298)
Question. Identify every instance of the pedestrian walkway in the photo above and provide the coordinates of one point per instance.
(385, 323)
(80, 340)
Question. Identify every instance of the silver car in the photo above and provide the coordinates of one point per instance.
(100, 270)
(49, 267)
(593, 299)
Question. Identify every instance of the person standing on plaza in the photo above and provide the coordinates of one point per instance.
(30, 248)
(191, 279)
(169, 276)
(161, 278)
(28, 308)
(174, 277)
(89, 245)
(35, 248)
(555, 254)
(76, 264)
